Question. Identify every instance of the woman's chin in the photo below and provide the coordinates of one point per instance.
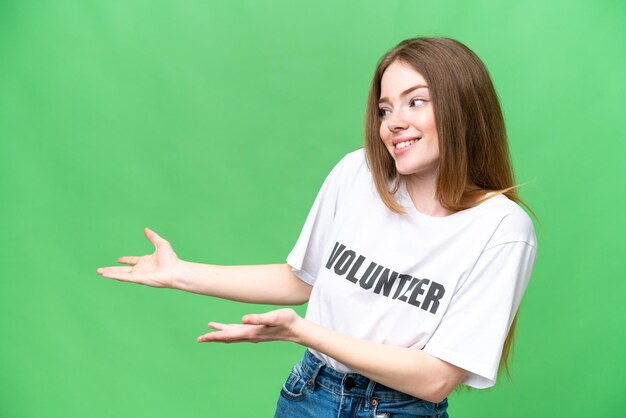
(426, 172)
(404, 170)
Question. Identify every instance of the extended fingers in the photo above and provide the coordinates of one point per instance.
(255, 319)
(217, 336)
(226, 336)
(129, 259)
(272, 318)
(268, 326)
(221, 327)
(117, 272)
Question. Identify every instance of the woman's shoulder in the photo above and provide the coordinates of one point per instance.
(354, 160)
(351, 167)
(514, 224)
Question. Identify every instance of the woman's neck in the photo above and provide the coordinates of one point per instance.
(423, 195)
(423, 192)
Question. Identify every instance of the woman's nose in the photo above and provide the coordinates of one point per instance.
(397, 122)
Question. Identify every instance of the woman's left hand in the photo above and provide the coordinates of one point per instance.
(278, 325)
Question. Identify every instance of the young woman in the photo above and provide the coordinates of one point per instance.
(413, 259)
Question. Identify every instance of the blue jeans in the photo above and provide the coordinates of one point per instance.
(316, 390)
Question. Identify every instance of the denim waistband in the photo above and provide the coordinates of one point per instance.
(352, 384)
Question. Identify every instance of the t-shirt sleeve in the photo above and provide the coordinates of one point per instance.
(305, 258)
(473, 329)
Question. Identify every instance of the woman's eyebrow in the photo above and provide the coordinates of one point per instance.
(404, 93)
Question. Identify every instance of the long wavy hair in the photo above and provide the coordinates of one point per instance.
(473, 151)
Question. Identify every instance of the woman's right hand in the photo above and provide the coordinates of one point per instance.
(158, 269)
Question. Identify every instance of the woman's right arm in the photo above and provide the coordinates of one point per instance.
(273, 284)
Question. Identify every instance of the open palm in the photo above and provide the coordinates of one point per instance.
(157, 269)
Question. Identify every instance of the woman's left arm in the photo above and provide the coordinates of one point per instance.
(407, 370)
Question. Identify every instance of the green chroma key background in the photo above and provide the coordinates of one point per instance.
(215, 124)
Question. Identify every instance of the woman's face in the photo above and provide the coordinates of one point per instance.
(407, 126)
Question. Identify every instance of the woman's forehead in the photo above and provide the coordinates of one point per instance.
(400, 79)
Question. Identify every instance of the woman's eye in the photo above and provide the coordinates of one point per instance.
(383, 112)
(417, 102)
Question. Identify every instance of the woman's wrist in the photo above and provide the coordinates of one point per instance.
(181, 272)
(299, 330)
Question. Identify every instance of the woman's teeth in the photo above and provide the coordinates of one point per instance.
(405, 144)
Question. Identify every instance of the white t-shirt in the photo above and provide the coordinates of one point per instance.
(449, 286)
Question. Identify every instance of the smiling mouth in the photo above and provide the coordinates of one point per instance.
(404, 144)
